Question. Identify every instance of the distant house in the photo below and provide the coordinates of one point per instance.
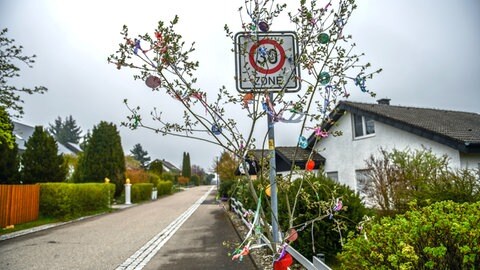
(167, 166)
(23, 132)
(368, 127)
(285, 157)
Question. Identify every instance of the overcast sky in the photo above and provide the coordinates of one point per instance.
(429, 51)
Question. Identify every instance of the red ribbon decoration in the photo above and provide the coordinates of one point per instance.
(283, 263)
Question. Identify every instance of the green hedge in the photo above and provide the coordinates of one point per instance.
(141, 192)
(445, 235)
(66, 200)
(164, 188)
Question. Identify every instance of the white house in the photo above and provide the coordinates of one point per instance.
(22, 133)
(368, 127)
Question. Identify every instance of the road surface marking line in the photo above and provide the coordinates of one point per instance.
(143, 255)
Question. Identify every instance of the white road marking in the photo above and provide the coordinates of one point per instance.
(146, 253)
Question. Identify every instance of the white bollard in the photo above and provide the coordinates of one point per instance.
(154, 194)
(128, 191)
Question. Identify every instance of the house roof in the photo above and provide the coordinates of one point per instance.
(459, 130)
(167, 165)
(284, 156)
(23, 132)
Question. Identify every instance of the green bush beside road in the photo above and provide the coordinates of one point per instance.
(66, 200)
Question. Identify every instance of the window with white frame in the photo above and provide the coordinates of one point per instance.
(333, 176)
(362, 178)
(363, 126)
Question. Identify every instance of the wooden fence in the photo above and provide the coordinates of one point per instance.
(18, 204)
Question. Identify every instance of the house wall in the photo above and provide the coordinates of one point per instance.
(345, 154)
(470, 161)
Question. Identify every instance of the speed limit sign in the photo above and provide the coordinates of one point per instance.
(266, 62)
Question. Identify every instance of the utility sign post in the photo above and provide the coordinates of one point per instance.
(265, 62)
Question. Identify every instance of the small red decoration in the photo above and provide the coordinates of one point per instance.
(292, 235)
(283, 263)
(310, 165)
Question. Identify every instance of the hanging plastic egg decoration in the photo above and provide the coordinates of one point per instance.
(292, 235)
(324, 78)
(323, 38)
(153, 81)
(216, 130)
(264, 27)
(310, 165)
(302, 142)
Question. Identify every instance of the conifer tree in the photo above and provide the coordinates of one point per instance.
(186, 169)
(102, 157)
(140, 155)
(65, 131)
(41, 161)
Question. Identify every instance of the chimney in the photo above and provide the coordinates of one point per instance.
(384, 101)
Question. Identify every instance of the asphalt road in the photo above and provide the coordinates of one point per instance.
(182, 231)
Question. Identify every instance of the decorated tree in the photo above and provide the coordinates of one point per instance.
(10, 55)
(316, 59)
(41, 162)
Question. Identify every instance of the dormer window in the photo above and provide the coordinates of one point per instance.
(363, 126)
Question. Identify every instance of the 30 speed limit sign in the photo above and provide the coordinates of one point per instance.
(266, 61)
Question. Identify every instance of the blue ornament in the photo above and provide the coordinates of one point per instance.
(262, 51)
(302, 142)
(216, 130)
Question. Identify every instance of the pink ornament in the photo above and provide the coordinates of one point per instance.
(153, 81)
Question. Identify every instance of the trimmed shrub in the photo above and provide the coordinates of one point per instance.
(153, 178)
(444, 235)
(137, 176)
(66, 200)
(141, 192)
(164, 188)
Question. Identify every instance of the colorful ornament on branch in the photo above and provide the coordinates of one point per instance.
(338, 206)
(268, 190)
(264, 27)
(292, 235)
(320, 133)
(324, 78)
(310, 165)
(323, 38)
(283, 263)
(302, 142)
(262, 51)
(247, 99)
(360, 82)
(240, 253)
(153, 81)
(216, 130)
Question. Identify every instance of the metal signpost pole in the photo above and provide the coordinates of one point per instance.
(273, 173)
(267, 63)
